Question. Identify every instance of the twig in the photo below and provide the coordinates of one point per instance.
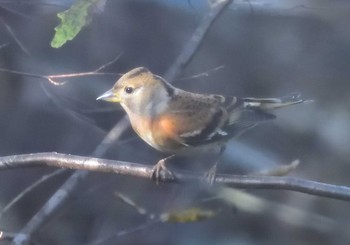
(8, 236)
(127, 200)
(62, 195)
(109, 63)
(196, 40)
(4, 235)
(141, 227)
(112, 136)
(49, 176)
(202, 74)
(95, 72)
(145, 171)
(31, 188)
(28, 17)
(3, 45)
(51, 78)
(13, 35)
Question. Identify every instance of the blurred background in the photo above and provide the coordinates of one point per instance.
(264, 48)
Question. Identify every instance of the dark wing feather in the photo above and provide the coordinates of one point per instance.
(197, 117)
(206, 119)
(241, 117)
(245, 113)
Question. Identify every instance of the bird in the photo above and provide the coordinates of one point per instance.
(179, 122)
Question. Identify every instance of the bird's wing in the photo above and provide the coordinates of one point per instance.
(205, 119)
(191, 120)
(230, 117)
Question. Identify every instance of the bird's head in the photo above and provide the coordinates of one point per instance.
(140, 91)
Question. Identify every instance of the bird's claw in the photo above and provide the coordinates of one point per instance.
(209, 177)
(161, 172)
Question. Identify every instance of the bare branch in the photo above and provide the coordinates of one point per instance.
(3, 45)
(141, 227)
(4, 236)
(81, 74)
(60, 197)
(13, 35)
(196, 40)
(23, 73)
(51, 78)
(202, 74)
(29, 189)
(145, 171)
(125, 199)
(109, 63)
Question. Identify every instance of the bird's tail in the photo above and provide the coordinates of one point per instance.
(274, 103)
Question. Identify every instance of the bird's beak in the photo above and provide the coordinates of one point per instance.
(109, 96)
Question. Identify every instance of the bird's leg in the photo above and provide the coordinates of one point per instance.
(211, 174)
(161, 168)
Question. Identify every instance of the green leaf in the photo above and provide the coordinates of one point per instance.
(72, 21)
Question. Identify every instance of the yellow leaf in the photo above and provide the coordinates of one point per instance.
(188, 215)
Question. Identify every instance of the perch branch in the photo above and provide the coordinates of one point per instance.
(145, 171)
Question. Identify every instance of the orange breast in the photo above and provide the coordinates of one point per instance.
(160, 132)
(165, 132)
(167, 126)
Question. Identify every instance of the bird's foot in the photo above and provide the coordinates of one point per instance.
(209, 177)
(160, 171)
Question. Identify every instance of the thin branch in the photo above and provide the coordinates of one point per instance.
(196, 40)
(12, 11)
(4, 45)
(47, 177)
(202, 74)
(127, 200)
(30, 188)
(109, 63)
(145, 171)
(23, 73)
(13, 35)
(51, 78)
(65, 192)
(140, 227)
(61, 196)
(8, 236)
(81, 74)
(4, 235)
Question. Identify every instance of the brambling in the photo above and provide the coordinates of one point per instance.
(178, 122)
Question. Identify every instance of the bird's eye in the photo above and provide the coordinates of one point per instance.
(129, 90)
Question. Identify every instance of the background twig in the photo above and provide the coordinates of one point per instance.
(197, 38)
(61, 196)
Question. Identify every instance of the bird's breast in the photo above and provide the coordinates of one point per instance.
(160, 133)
